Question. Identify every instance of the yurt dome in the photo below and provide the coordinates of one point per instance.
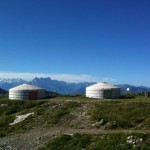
(26, 92)
(103, 90)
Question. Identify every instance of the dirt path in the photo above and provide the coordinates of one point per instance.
(36, 138)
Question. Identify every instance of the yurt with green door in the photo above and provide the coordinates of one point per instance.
(103, 90)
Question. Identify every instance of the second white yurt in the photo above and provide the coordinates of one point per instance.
(26, 92)
(103, 90)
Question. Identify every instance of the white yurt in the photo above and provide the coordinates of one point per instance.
(26, 92)
(103, 90)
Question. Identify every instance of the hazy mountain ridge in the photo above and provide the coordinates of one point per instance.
(63, 87)
(60, 86)
(6, 84)
(132, 88)
(48, 84)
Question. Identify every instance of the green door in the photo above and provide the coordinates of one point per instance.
(107, 94)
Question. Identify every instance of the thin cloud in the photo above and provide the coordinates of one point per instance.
(108, 79)
(61, 77)
(70, 78)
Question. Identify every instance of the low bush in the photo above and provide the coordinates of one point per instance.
(125, 115)
(102, 142)
(59, 142)
(60, 110)
(67, 142)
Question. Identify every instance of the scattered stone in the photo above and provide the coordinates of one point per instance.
(101, 122)
(69, 100)
(9, 147)
(93, 125)
(133, 139)
(38, 138)
(69, 134)
(4, 105)
(97, 124)
(114, 123)
(21, 118)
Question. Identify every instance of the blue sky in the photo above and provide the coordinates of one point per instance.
(88, 39)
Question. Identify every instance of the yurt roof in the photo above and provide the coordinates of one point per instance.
(101, 85)
(25, 87)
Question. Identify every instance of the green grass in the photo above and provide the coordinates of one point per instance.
(46, 113)
(8, 112)
(51, 113)
(101, 142)
(67, 142)
(125, 114)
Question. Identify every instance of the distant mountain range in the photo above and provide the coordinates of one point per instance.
(6, 84)
(48, 84)
(63, 87)
(134, 89)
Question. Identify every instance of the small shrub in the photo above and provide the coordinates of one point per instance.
(12, 110)
(59, 142)
(2, 134)
(67, 142)
(126, 115)
(57, 114)
(83, 140)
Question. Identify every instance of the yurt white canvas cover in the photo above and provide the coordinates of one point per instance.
(26, 92)
(103, 90)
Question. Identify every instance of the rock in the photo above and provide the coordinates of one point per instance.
(101, 122)
(133, 139)
(93, 125)
(4, 105)
(98, 123)
(9, 147)
(21, 118)
(114, 123)
(38, 138)
(69, 134)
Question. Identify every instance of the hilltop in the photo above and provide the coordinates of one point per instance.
(66, 120)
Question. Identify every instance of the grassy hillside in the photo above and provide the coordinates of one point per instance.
(122, 114)
(46, 113)
(78, 114)
(101, 142)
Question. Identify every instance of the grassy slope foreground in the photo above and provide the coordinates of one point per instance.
(74, 123)
(102, 142)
